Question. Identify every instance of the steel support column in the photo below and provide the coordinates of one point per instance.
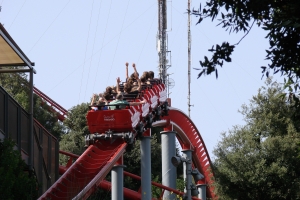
(168, 149)
(117, 181)
(202, 191)
(187, 173)
(30, 139)
(146, 167)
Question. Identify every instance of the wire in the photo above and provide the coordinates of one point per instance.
(100, 48)
(102, 45)
(86, 47)
(145, 40)
(117, 43)
(95, 42)
(17, 14)
(49, 27)
(180, 44)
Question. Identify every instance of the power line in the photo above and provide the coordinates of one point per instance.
(17, 13)
(94, 42)
(117, 43)
(49, 26)
(85, 52)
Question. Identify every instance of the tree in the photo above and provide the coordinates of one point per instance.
(76, 129)
(73, 141)
(280, 20)
(260, 159)
(16, 182)
(16, 85)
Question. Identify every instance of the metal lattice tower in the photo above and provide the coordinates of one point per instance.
(189, 59)
(162, 40)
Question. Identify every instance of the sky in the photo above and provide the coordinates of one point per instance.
(80, 47)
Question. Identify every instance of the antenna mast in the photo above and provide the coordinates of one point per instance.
(162, 40)
(189, 59)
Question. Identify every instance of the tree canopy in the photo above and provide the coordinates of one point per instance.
(16, 183)
(260, 160)
(280, 20)
(76, 129)
(16, 84)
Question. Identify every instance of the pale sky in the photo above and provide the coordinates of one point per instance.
(80, 47)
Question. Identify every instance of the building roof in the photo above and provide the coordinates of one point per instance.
(10, 52)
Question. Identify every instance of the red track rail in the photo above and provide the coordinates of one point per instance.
(190, 138)
(86, 172)
(81, 178)
(61, 112)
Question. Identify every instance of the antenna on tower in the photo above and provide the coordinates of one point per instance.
(171, 84)
(162, 43)
(189, 59)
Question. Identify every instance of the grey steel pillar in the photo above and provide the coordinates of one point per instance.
(117, 181)
(168, 150)
(187, 173)
(202, 191)
(30, 143)
(146, 167)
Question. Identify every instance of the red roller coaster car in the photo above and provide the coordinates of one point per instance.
(128, 122)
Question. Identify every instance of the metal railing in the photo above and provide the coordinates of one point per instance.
(14, 124)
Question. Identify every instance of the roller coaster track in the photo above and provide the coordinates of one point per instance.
(87, 173)
(55, 107)
(90, 169)
(190, 138)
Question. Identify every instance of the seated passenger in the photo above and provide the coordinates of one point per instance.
(127, 88)
(135, 74)
(113, 89)
(145, 78)
(136, 88)
(108, 89)
(123, 103)
(93, 103)
(152, 79)
(151, 75)
(146, 75)
(131, 79)
(108, 93)
(126, 70)
(102, 101)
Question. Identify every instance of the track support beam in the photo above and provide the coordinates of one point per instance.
(168, 149)
(146, 165)
(117, 180)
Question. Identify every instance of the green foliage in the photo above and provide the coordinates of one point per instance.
(14, 179)
(16, 85)
(280, 20)
(48, 119)
(73, 141)
(260, 160)
(76, 120)
(156, 192)
(132, 160)
(180, 184)
(76, 125)
(100, 194)
(221, 53)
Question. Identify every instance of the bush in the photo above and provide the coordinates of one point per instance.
(16, 182)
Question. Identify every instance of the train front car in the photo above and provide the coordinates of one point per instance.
(129, 122)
